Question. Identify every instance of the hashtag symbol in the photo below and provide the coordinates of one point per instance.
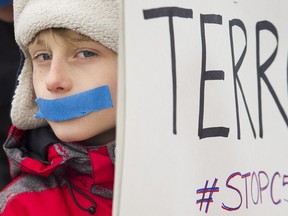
(205, 190)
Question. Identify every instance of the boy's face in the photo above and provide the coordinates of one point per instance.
(62, 69)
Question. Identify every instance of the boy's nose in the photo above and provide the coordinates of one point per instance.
(58, 79)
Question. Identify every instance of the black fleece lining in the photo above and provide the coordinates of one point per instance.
(37, 142)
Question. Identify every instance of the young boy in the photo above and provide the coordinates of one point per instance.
(61, 147)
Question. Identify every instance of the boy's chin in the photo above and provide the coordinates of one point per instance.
(76, 130)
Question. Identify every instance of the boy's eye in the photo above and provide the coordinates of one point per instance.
(86, 54)
(43, 57)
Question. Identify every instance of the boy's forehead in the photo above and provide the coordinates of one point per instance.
(72, 35)
(65, 34)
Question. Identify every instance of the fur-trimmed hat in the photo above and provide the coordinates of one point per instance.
(97, 19)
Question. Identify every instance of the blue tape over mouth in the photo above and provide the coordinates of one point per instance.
(74, 106)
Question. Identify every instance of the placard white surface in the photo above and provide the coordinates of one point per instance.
(196, 134)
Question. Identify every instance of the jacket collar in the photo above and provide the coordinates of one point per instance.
(39, 152)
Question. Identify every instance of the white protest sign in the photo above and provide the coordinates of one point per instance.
(203, 106)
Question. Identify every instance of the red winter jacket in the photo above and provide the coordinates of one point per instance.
(51, 178)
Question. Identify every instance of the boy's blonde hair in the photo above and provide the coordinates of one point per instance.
(96, 19)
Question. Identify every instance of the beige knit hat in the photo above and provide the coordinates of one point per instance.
(97, 19)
